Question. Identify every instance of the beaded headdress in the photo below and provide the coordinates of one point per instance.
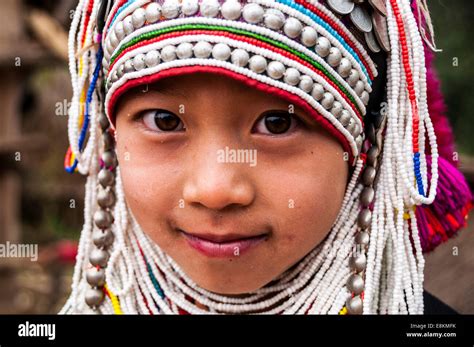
(361, 68)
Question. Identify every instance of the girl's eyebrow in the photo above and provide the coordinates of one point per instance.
(168, 90)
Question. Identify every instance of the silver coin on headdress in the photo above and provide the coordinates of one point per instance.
(361, 19)
(341, 6)
(372, 42)
(381, 31)
(379, 5)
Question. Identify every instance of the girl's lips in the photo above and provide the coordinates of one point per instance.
(223, 247)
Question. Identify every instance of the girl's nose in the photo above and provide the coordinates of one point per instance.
(217, 185)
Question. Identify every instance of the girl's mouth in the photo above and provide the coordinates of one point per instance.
(222, 246)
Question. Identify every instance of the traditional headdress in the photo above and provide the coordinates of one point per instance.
(359, 67)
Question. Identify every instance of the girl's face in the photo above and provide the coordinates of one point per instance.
(234, 184)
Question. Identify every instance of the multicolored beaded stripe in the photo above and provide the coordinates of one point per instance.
(70, 163)
(245, 36)
(411, 94)
(308, 9)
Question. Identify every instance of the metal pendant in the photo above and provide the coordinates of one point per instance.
(341, 6)
(361, 19)
(379, 5)
(381, 31)
(372, 42)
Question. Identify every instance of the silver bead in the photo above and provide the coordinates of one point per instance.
(358, 262)
(359, 87)
(253, 13)
(306, 83)
(327, 100)
(128, 66)
(189, 7)
(359, 142)
(274, 19)
(202, 49)
(114, 77)
(152, 58)
(103, 238)
(170, 9)
(94, 297)
(168, 53)
(103, 219)
(105, 198)
(364, 96)
(221, 51)
(364, 218)
(119, 30)
(103, 121)
(209, 8)
(334, 57)
(292, 76)
(357, 130)
(231, 9)
(109, 158)
(354, 305)
(128, 25)
(96, 277)
(309, 36)
(317, 92)
(258, 64)
(108, 141)
(336, 108)
(152, 12)
(355, 284)
(240, 57)
(350, 126)
(138, 18)
(275, 70)
(106, 177)
(108, 49)
(372, 155)
(292, 27)
(344, 67)
(99, 257)
(184, 50)
(368, 176)
(367, 196)
(362, 238)
(139, 61)
(120, 71)
(322, 46)
(344, 118)
(353, 77)
(113, 39)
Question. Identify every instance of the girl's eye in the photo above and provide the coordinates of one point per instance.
(276, 123)
(162, 121)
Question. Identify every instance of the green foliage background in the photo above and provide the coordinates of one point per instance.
(453, 24)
